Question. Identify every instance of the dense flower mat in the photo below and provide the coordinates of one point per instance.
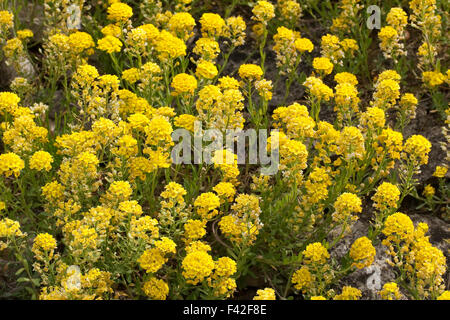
(93, 207)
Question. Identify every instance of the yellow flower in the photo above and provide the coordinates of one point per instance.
(390, 291)
(11, 163)
(174, 191)
(119, 191)
(428, 191)
(417, 149)
(323, 65)
(141, 226)
(159, 132)
(53, 191)
(152, 33)
(386, 197)
(213, 26)
(112, 30)
(250, 72)
(397, 18)
(302, 279)
(131, 75)
(181, 24)
(131, 207)
(433, 78)
(387, 34)
(9, 102)
(444, 296)
(197, 266)
(12, 47)
(224, 267)
(386, 94)
(169, 46)
(6, 19)
(197, 246)
(225, 191)
(185, 121)
(25, 33)
(166, 245)
(156, 289)
(9, 228)
(440, 172)
(206, 70)
(398, 227)
(41, 160)
(81, 42)
(194, 229)
(349, 45)
(373, 118)
(235, 30)
(351, 143)
(346, 205)
(318, 89)
(263, 11)
(290, 10)
(184, 84)
(109, 44)
(331, 48)
(152, 260)
(208, 49)
(362, 252)
(119, 12)
(408, 103)
(207, 204)
(315, 253)
(44, 241)
(265, 294)
(349, 293)
(303, 45)
(347, 100)
(345, 77)
(264, 88)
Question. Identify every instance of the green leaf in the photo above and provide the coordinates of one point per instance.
(18, 272)
(23, 280)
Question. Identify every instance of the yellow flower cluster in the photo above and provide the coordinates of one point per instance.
(91, 165)
(346, 205)
(315, 253)
(265, 294)
(386, 197)
(416, 149)
(41, 160)
(263, 11)
(250, 72)
(390, 291)
(362, 252)
(349, 293)
(336, 50)
(156, 289)
(11, 164)
(411, 252)
(184, 84)
(44, 242)
(119, 12)
(323, 65)
(212, 25)
(197, 266)
(207, 205)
